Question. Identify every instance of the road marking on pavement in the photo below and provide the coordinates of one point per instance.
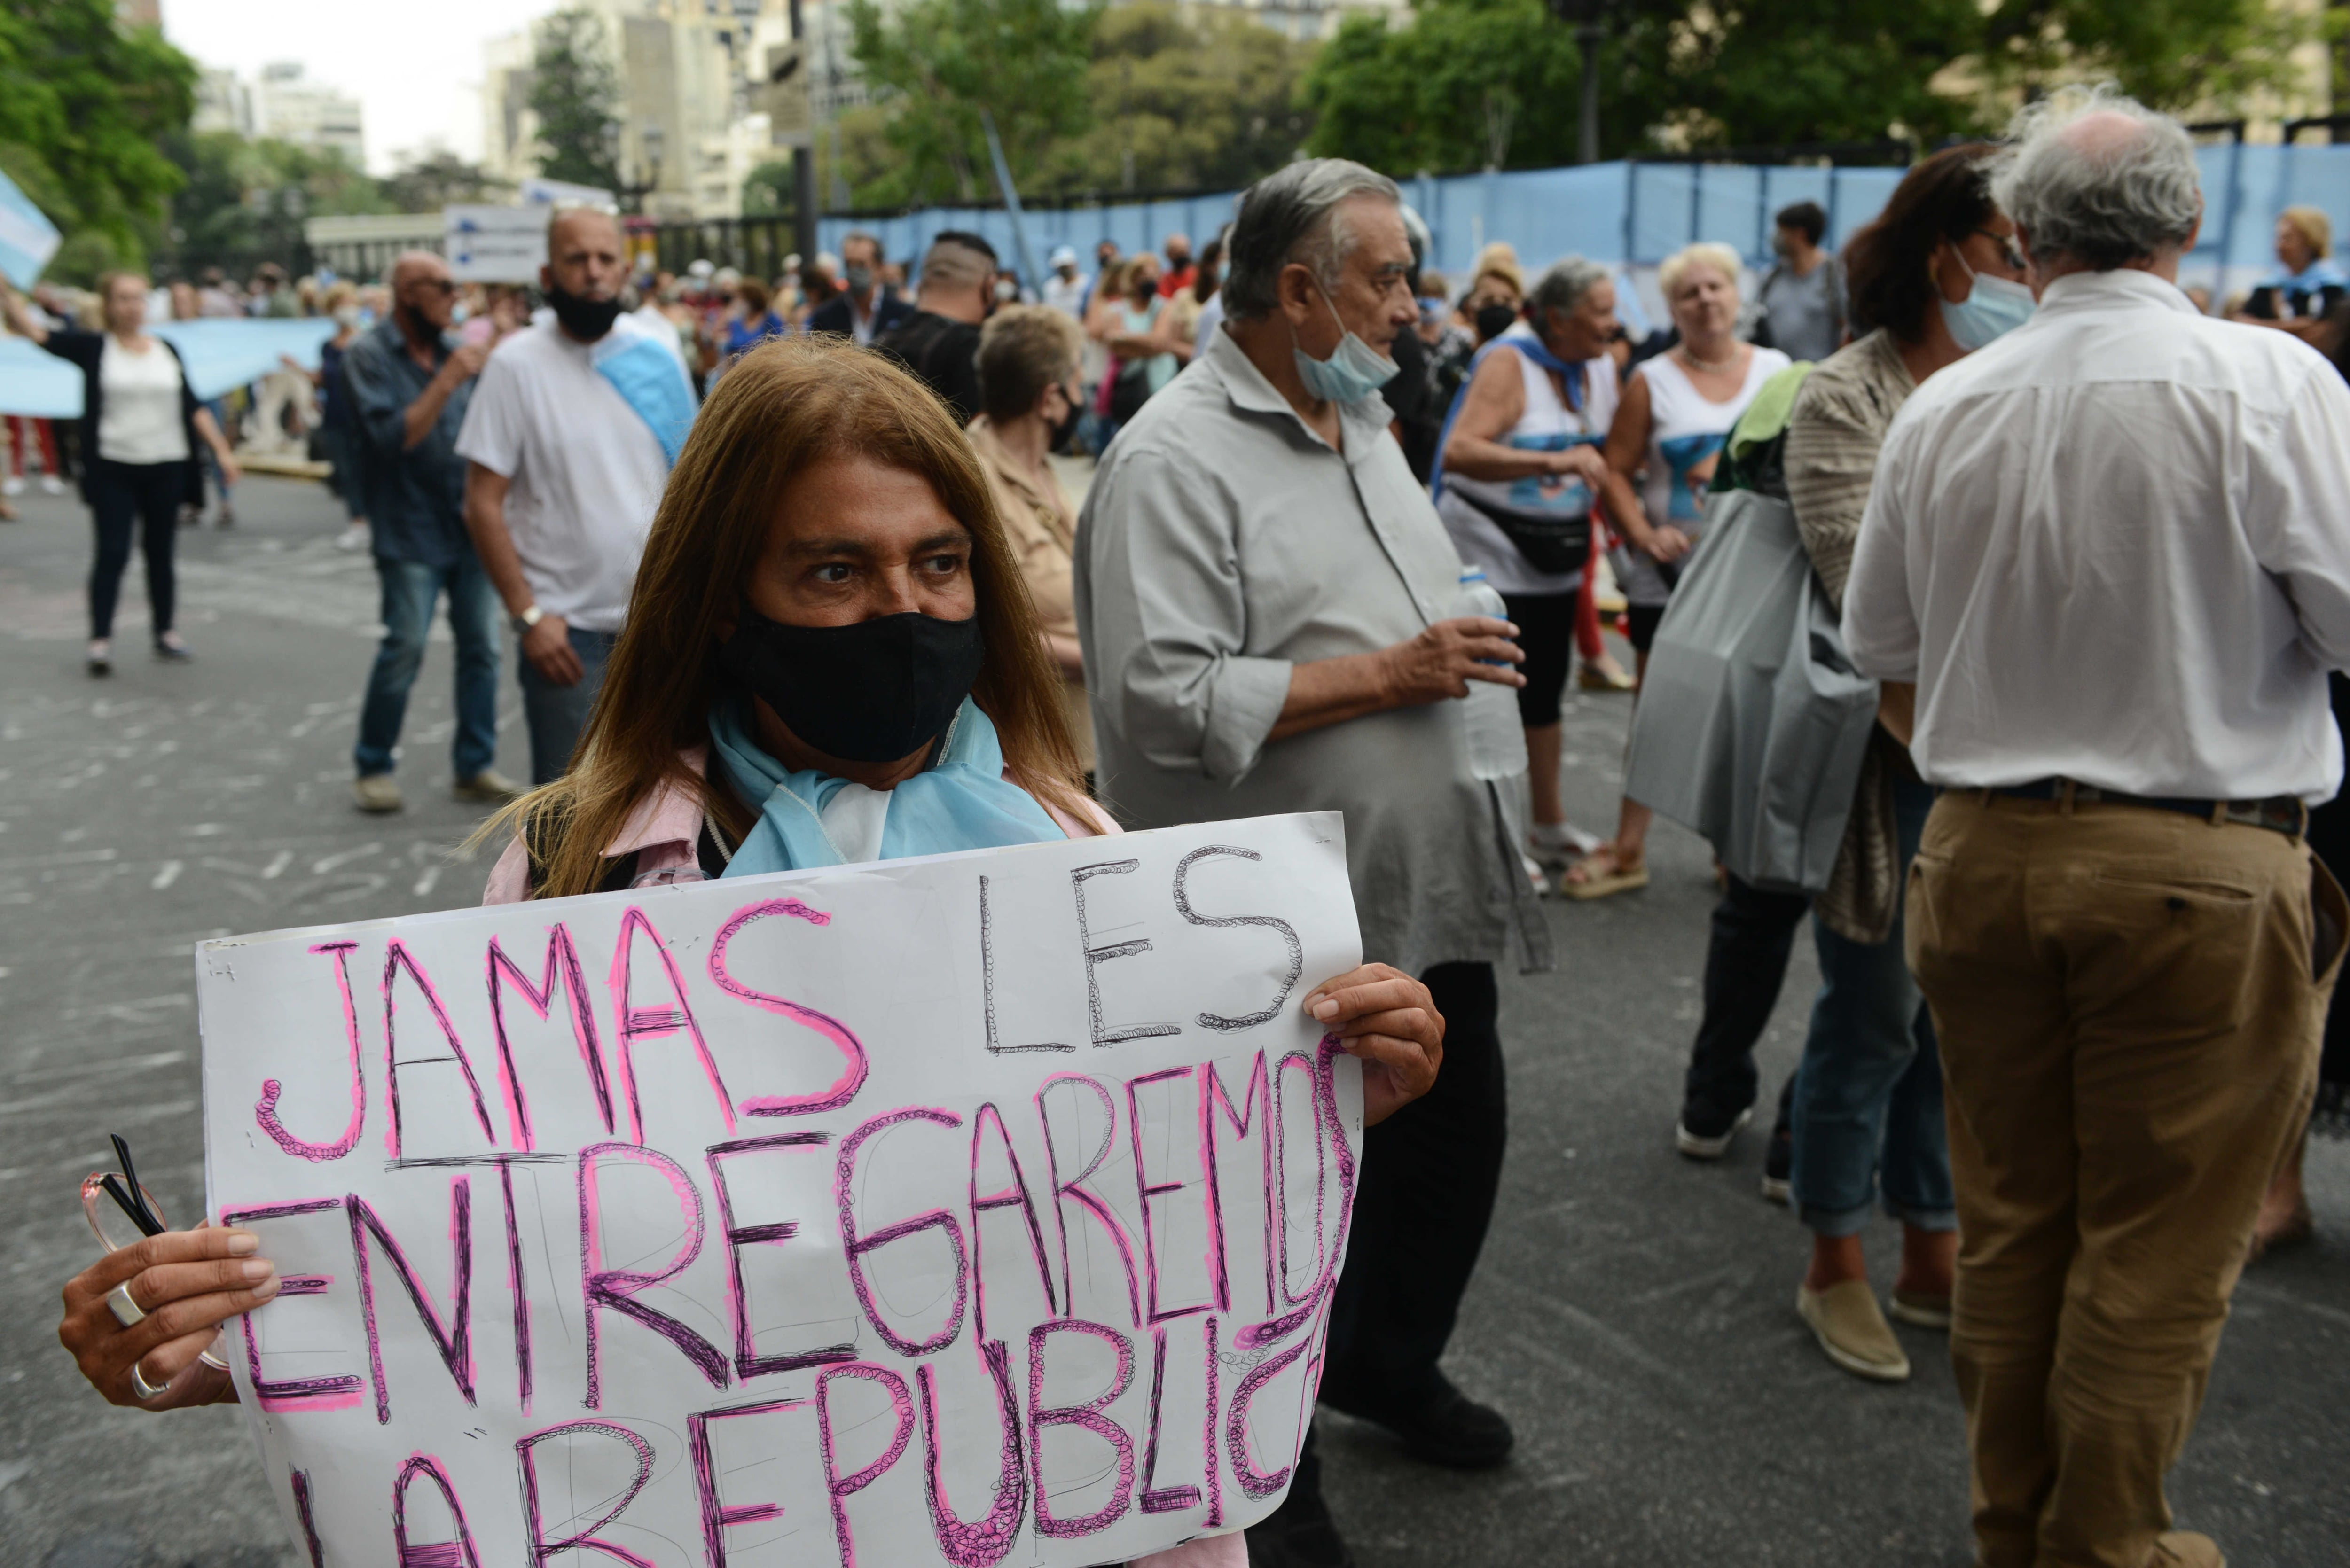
(168, 875)
(319, 867)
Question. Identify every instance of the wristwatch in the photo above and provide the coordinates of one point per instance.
(529, 619)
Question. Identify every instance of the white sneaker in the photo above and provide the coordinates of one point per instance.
(13, 486)
(52, 485)
(1535, 875)
(354, 537)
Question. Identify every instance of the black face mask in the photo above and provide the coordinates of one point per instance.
(417, 325)
(585, 319)
(1492, 320)
(872, 691)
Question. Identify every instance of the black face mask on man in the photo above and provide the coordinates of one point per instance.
(585, 319)
(871, 692)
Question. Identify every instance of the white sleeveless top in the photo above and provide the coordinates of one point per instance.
(1686, 432)
(1546, 425)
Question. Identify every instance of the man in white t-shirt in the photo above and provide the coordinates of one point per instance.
(562, 474)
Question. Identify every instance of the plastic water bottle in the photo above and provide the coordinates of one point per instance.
(1497, 739)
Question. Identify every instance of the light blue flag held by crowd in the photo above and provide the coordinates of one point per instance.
(650, 380)
(27, 238)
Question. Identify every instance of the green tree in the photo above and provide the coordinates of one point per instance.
(575, 94)
(1184, 98)
(767, 189)
(85, 105)
(1472, 83)
(438, 180)
(243, 203)
(937, 64)
(1469, 84)
(1755, 72)
(2170, 53)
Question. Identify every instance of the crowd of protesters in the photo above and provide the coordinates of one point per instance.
(2079, 941)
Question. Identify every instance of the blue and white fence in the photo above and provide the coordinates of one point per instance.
(1636, 214)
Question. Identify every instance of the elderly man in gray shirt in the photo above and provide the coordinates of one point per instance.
(1265, 595)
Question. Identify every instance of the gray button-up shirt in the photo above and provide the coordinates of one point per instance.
(415, 495)
(1224, 541)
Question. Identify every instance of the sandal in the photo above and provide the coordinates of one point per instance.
(1586, 879)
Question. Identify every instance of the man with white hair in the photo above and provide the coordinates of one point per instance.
(1266, 600)
(2113, 551)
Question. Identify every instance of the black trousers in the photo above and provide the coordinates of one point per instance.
(1430, 1173)
(124, 496)
(1745, 964)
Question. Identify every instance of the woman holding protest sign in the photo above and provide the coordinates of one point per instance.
(829, 657)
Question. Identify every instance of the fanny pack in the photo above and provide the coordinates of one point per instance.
(1548, 543)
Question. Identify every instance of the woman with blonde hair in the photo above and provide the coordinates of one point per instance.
(2306, 285)
(1669, 430)
(829, 657)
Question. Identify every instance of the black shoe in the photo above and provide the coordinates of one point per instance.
(1706, 1128)
(1442, 1426)
(174, 653)
(1300, 1533)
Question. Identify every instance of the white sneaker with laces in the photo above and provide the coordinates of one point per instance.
(13, 486)
(52, 485)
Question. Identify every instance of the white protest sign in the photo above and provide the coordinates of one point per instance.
(979, 1208)
(494, 245)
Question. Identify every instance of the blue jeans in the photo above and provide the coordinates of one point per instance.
(409, 589)
(1868, 1097)
(556, 714)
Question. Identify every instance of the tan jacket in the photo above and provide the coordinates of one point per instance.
(1043, 527)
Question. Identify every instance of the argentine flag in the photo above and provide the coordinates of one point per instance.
(27, 238)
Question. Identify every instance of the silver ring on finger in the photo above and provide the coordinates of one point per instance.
(141, 1387)
(126, 1312)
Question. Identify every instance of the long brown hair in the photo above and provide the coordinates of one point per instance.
(1887, 265)
(780, 408)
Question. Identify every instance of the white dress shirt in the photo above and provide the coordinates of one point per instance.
(2113, 547)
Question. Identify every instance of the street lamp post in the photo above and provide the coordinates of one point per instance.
(1589, 19)
(632, 194)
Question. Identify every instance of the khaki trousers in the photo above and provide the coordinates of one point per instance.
(2130, 1002)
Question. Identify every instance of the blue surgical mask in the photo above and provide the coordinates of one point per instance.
(1992, 308)
(1353, 371)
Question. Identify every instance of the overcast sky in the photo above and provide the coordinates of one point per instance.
(416, 65)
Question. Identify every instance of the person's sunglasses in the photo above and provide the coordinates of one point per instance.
(2007, 248)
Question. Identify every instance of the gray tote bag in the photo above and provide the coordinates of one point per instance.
(1751, 723)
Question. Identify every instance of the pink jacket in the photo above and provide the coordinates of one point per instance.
(663, 831)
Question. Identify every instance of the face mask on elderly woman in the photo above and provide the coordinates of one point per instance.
(1993, 307)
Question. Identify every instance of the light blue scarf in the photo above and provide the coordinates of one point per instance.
(1523, 339)
(651, 380)
(963, 801)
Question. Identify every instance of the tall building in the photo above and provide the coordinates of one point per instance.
(224, 102)
(684, 67)
(288, 105)
(284, 105)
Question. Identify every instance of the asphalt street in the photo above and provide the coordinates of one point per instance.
(1634, 1315)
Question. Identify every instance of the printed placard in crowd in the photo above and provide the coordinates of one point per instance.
(977, 1208)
